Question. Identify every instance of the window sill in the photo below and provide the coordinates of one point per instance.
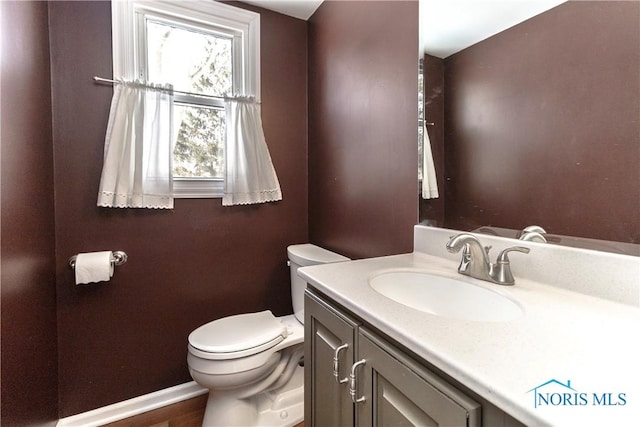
(194, 188)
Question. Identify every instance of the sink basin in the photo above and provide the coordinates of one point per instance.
(444, 296)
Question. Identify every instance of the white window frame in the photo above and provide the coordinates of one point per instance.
(129, 50)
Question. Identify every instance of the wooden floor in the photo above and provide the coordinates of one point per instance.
(188, 413)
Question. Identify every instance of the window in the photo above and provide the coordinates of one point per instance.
(201, 48)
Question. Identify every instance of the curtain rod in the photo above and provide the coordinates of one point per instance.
(201, 95)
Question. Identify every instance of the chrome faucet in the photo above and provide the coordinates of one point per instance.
(532, 233)
(475, 259)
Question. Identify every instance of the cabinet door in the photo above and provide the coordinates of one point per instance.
(328, 333)
(398, 392)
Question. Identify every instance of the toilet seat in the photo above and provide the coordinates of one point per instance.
(237, 336)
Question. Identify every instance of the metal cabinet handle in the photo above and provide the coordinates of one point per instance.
(353, 384)
(336, 364)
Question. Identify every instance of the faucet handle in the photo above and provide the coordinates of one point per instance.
(504, 259)
(501, 270)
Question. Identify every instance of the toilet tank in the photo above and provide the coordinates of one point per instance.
(302, 256)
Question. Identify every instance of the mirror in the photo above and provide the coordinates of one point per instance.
(539, 123)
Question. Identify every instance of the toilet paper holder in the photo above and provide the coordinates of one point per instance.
(117, 258)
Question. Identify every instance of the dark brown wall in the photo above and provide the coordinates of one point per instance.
(187, 266)
(29, 357)
(363, 67)
(432, 210)
(543, 125)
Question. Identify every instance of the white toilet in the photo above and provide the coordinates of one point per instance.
(251, 363)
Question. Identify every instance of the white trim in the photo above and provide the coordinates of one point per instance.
(122, 40)
(137, 405)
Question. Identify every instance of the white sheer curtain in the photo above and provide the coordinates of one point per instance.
(249, 176)
(137, 151)
(429, 183)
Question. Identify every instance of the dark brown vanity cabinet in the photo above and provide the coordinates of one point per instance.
(353, 377)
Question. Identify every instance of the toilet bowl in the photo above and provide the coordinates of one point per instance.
(252, 363)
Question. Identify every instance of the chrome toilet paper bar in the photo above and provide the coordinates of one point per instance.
(117, 258)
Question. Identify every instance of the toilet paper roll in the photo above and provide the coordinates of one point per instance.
(93, 267)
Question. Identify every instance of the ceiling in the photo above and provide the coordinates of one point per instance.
(301, 9)
(447, 26)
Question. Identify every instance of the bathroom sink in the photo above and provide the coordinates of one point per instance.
(445, 296)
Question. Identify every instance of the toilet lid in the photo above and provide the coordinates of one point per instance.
(238, 333)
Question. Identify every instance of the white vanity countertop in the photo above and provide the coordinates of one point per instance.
(563, 336)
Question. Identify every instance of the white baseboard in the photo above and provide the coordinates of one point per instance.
(137, 405)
